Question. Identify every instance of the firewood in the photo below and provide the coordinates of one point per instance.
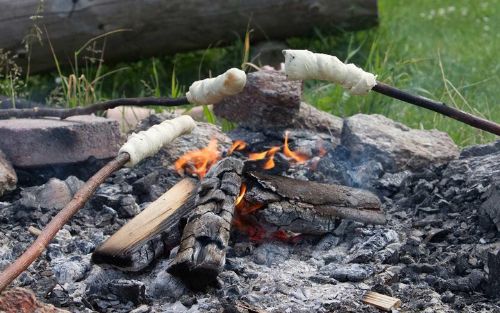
(126, 249)
(381, 301)
(311, 207)
(202, 251)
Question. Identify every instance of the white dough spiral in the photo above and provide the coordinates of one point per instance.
(304, 64)
(147, 143)
(213, 90)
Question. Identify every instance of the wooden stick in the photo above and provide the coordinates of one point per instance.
(303, 64)
(381, 301)
(50, 231)
(438, 107)
(102, 106)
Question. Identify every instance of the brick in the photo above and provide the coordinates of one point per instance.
(39, 142)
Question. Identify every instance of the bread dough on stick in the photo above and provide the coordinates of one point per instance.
(213, 90)
(304, 64)
(147, 143)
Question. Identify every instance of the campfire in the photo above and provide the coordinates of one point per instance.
(237, 191)
(305, 213)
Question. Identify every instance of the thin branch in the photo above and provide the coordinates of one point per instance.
(102, 106)
(50, 231)
(439, 107)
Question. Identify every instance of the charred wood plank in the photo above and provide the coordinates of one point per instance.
(202, 251)
(152, 232)
(309, 207)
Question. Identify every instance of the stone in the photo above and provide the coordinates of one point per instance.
(480, 150)
(72, 269)
(8, 177)
(165, 285)
(128, 290)
(268, 97)
(490, 209)
(397, 147)
(347, 272)
(493, 273)
(270, 253)
(24, 301)
(475, 170)
(55, 194)
(40, 142)
(270, 101)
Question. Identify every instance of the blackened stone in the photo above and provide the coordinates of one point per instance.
(347, 272)
(55, 194)
(165, 285)
(127, 290)
(366, 174)
(490, 209)
(143, 184)
(422, 268)
(72, 269)
(494, 273)
(392, 182)
(448, 297)
(128, 207)
(271, 253)
(323, 279)
(480, 150)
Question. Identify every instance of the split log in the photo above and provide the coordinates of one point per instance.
(310, 207)
(158, 27)
(151, 233)
(202, 251)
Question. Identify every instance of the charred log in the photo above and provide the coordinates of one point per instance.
(309, 207)
(202, 250)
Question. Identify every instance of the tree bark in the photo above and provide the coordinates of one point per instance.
(157, 27)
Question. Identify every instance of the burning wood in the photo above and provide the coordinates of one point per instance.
(161, 216)
(202, 250)
(267, 206)
(198, 162)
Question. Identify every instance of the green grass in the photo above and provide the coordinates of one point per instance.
(444, 50)
(447, 50)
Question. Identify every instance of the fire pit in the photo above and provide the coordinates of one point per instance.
(310, 215)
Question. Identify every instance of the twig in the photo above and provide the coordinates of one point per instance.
(50, 231)
(439, 107)
(65, 113)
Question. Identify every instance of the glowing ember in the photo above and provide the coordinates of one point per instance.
(198, 162)
(296, 156)
(237, 146)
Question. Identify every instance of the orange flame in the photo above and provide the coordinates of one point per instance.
(242, 206)
(297, 156)
(198, 162)
(269, 154)
(237, 146)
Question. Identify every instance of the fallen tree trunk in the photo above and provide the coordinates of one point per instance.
(158, 27)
